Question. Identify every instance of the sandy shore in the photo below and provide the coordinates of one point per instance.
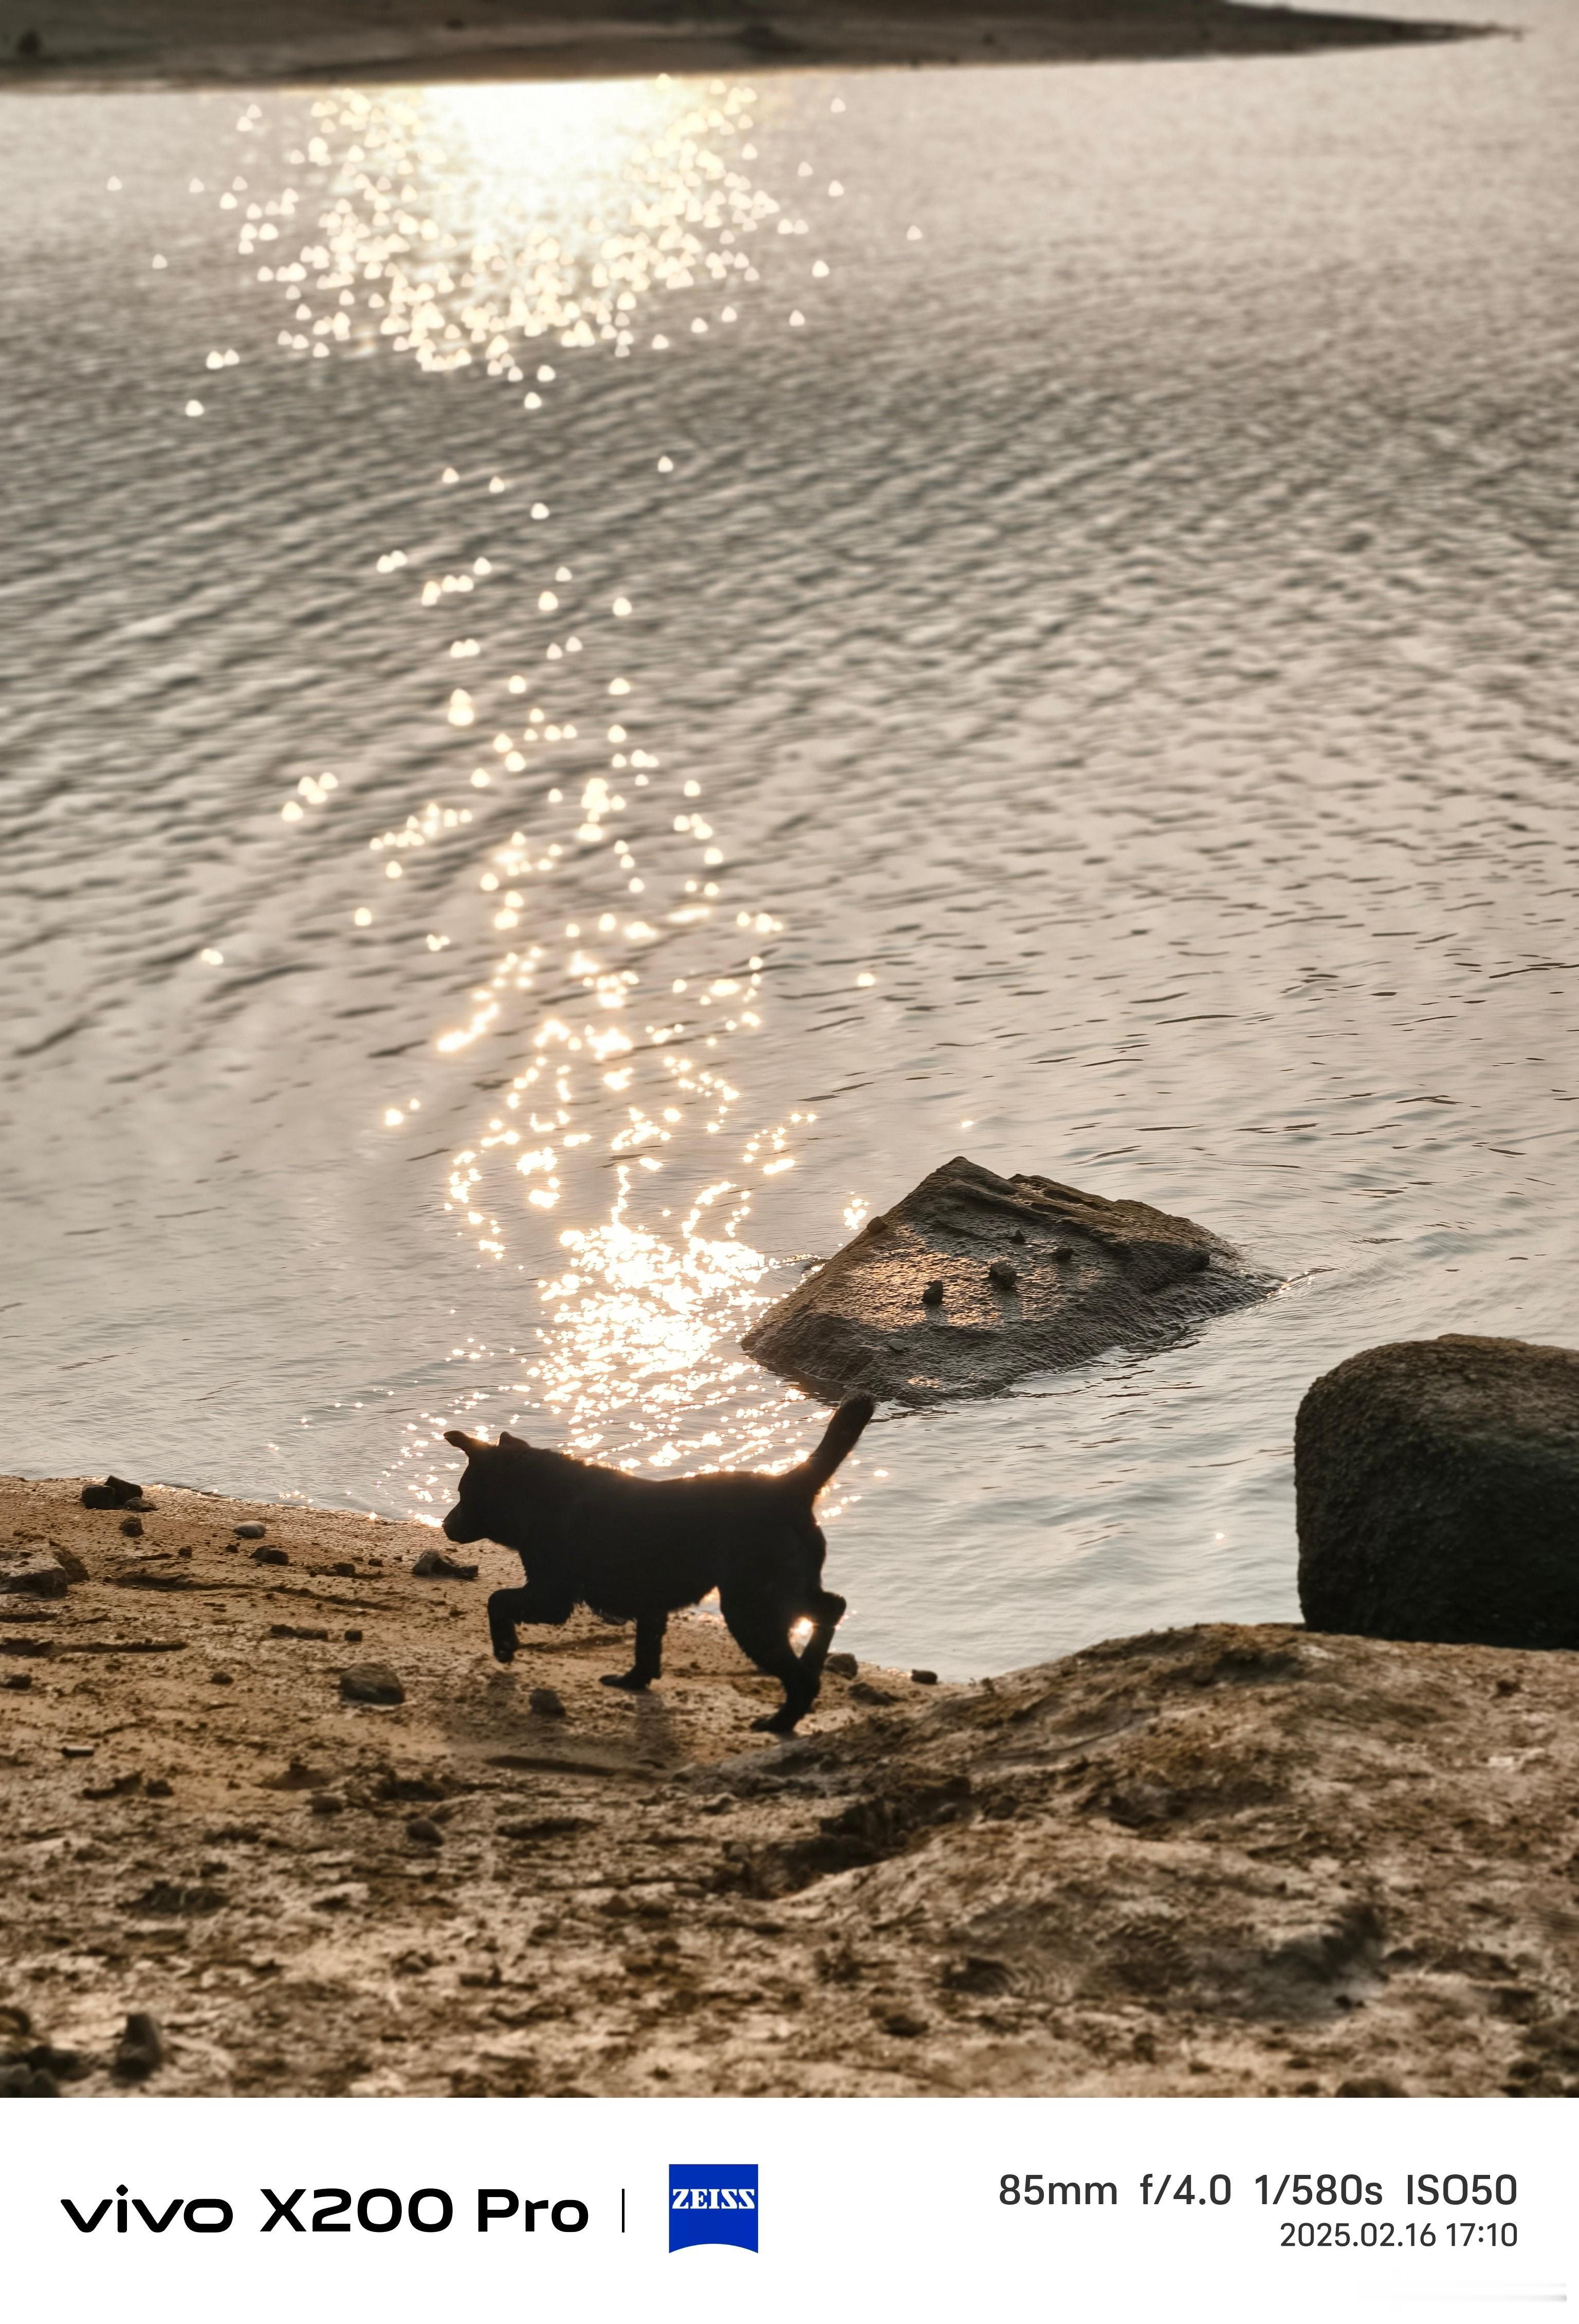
(1215, 1860)
(58, 43)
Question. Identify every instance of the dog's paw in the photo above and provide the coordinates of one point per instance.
(778, 1723)
(504, 1649)
(625, 1681)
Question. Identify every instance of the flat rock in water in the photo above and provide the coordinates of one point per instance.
(1034, 1276)
(1437, 1488)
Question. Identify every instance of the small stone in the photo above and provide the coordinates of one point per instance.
(171, 1898)
(121, 1787)
(221, 1678)
(269, 1557)
(545, 1702)
(902, 2022)
(77, 1750)
(1063, 1250)
(842, 1666)
(183, 1552)
(114, 1493)
(251, 1531)
(37, 1575)
(157, 1788)
(141, 2051)
(425, 1832)
(370, 1683)
(344, 1567)
(434, 1565)
(353, 1637)
(923, 1678)
(326, 1804)
(20, 2081)
(17, 1683)
(1001, 1273)
(861, 1692)
(1017, 1235)
(64, 2065)
(132, 1527)
(933, 1294)
(297, 1777)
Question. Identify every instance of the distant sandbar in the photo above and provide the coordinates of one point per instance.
(204, 43)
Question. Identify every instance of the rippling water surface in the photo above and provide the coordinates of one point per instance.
(597, 677)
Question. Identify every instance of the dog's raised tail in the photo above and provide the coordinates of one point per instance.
(840, 1439)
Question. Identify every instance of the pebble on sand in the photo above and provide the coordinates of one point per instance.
(141, 2051)
(370, 1683)
(545, 1702)
(433, 1565)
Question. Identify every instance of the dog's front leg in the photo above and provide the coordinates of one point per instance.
(649, 1656)
(505, 1608)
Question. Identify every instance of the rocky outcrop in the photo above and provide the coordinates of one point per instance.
(1438, 1486)
(973, 1281)
(1214, 1862)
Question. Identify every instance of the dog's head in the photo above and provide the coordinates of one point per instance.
(490, 1482)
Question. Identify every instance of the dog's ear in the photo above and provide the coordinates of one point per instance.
(519, 1441)
(462, 1442)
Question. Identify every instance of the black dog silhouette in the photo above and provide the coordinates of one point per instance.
(638, 1548)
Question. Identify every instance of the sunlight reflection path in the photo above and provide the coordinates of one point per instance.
(516, 229)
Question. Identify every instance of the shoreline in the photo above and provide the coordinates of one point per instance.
(78, 45)
(1219, 1861)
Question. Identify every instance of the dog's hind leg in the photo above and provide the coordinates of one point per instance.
(760, 1626)
(826, 1616)
(649, 1656)
(534, 1603)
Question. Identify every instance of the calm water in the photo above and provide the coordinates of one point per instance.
(1095, 694)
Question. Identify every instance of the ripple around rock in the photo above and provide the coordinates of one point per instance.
(972, 1282)
(1437, 1488)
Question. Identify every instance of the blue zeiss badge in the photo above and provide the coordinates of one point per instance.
(713, 2203)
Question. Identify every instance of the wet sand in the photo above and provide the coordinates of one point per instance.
(203, 42)
(1217, 1860)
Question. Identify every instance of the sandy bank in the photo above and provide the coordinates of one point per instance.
(1208, 1861)
(57, 43)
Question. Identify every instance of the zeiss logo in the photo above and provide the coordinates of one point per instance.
(713, 2203)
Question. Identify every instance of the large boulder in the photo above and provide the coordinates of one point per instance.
(973, 1281)
(1438, 1486)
